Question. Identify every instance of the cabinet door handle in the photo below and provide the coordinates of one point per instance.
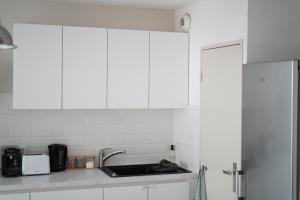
(152, 187)
(143, 187)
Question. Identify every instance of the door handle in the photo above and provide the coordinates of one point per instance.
(235, 173)
(228, 172)
(232, 173)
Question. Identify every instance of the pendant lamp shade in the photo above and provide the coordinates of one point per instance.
(6, 41)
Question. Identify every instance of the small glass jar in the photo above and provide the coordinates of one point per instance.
(71, 162)
(90, 162)
(81, 162)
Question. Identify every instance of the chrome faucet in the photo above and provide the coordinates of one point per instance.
(103, 157)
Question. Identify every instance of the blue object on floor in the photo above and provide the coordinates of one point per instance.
(200, 192)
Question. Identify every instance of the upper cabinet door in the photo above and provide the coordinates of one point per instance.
(128, 69)
(37, 67)
(169, 68)
(84, 68)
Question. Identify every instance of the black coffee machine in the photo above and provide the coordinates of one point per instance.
(58, 157)
(11, 161)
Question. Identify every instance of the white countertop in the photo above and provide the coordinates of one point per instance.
(80, 179)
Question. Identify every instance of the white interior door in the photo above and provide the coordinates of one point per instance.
(221, 118)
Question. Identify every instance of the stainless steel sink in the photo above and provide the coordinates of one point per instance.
(140, 170)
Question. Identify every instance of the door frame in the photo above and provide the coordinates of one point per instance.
(202, 49)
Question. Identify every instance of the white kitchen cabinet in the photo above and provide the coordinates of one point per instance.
(128, 68)
(84, 67)
(58, 67)
(22, 196)
(169, 191)
(169, 68)
(37, 67)
(130, 193)
(80, 194)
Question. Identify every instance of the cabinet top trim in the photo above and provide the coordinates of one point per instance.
(17, 24)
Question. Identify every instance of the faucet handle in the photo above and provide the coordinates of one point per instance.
(105, 149)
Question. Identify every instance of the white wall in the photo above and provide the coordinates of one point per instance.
(274, 30)
(75, 14)
(213, 22)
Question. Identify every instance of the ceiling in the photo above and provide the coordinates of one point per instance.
(159, 4)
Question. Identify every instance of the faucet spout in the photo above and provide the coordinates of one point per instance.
(113, 154)
(103, 158)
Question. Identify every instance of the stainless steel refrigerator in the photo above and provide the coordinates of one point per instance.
(270, 131)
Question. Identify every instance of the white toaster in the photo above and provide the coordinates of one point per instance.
(35, 164)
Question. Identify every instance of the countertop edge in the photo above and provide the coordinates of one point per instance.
(94, 179)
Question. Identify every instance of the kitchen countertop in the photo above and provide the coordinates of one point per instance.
(80, 179)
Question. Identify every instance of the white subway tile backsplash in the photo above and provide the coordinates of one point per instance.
(75, 141)
(19, 112)
(162, 148)
(4, 109)
(31, 142)
(96, 141)
(74, 119)
(7, 120)
(43, 149)
(106, 130)
(20, 132)
(144, 134)
(4, 132)
(9, 141)
(137, 117)
(63, 131)
(158, 138)
(5, 106)
(87, 131)
(154, 127)
(53, 140)
(43, 131)
(145, 149)
(136, 139)
(116, 139)
(82, 151)
(135, 159)
(105, 117)
(129, 149)
(155, 158)
(126, 129)
(54, 119)
(29, 120)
